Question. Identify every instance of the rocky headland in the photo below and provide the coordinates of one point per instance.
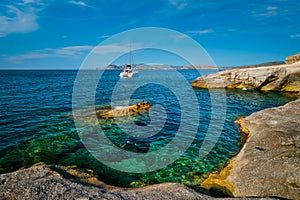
(284, 78)
(269, 162)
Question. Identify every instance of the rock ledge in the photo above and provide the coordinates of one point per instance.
(269, 162)
(284, 78)
(57, 182)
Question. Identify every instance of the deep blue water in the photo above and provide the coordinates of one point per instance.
(36, 124)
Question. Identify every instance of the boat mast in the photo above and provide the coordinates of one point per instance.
(130, 56)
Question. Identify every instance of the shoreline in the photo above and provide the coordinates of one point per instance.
(234, 180)
(280, 175)
(264, 168)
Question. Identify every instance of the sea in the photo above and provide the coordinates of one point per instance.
(37, 123)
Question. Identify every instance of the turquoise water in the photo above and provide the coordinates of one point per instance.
(36, 125)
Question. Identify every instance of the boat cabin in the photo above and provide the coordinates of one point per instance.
(128, 69)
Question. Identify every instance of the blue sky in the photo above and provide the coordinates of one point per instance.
(59, 34)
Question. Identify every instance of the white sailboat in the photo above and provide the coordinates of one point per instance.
(128, 70)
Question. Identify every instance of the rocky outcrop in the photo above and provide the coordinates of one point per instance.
(292, 59)
(127, 111)
(269, 162)
(56, 182)
(276, 78)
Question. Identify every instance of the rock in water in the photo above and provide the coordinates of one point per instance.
(128, 111)
(269, 162)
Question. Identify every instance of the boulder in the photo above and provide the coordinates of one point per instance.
(127, 111)
(269, 162)
(276, 78)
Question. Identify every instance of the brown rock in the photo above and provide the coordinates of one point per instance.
(291, 83)
(128, 111)
(292, 59)
(269, 162)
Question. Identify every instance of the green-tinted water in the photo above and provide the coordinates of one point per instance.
(36, 126)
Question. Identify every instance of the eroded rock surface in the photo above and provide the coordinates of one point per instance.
(269, 162)
(54, 182)
(128, 111)
(277, 78)
(292, 59)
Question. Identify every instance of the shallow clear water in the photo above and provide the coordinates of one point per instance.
(36, 126)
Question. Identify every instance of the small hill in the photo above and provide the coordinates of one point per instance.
(265, 64)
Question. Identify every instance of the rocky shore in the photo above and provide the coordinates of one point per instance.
(269, 162)
(56, 182)
(64, 183)
(268, 165)
(284, 78)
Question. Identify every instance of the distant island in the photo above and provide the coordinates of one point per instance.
(174, 67)
(157, 67)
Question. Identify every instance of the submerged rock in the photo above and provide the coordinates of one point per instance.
(277, 78)
(268, 165)
(127, 111)
(106, 111)
(269, 162)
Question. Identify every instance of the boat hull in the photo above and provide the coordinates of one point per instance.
(128, 74)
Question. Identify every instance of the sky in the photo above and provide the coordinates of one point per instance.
(59, 34)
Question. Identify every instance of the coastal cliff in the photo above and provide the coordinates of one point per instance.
(284, 78)
(269, 162)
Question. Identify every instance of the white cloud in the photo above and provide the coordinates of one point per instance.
(104, 36)
(25, 2)
(295, 36)
(271, 8)
(78, 3)
(269, 11)
(179, 37)
(200, 32)
(64, 52)
(73, 51)
(39, 2)
(117, 48)
(179, 4)
(20, 17)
